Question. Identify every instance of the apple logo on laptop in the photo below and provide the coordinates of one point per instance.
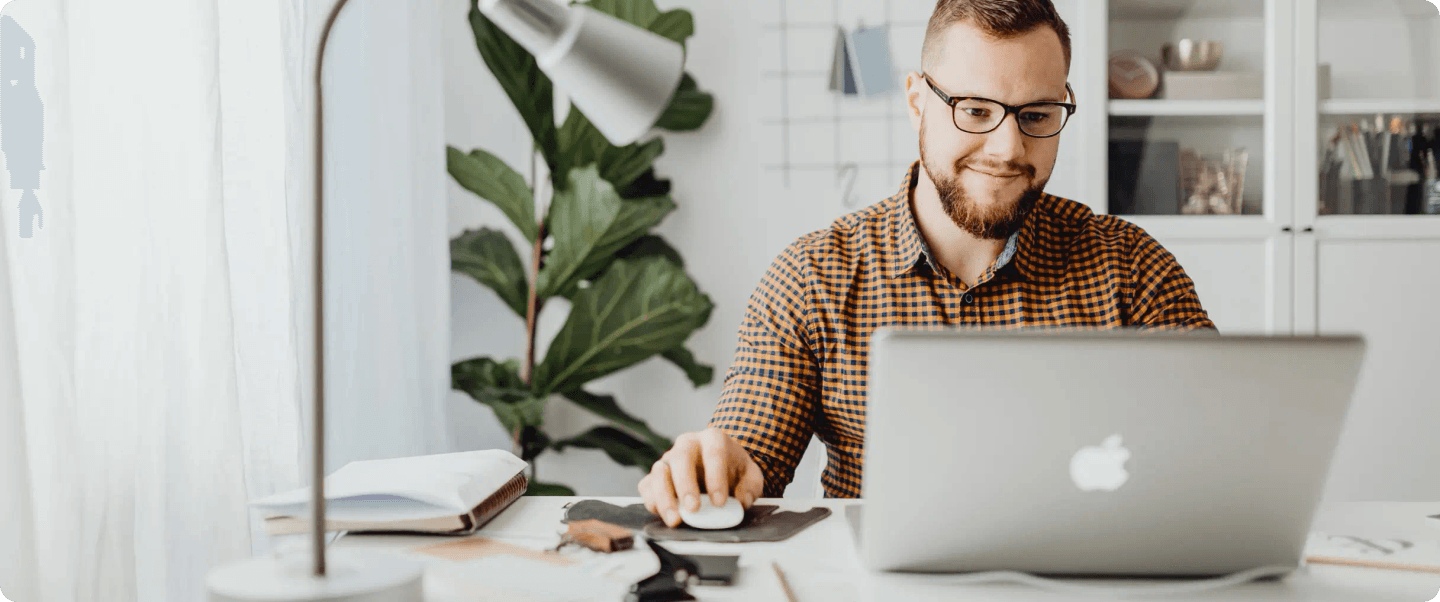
(1102, 467)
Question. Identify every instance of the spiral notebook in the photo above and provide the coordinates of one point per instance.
(454, 493)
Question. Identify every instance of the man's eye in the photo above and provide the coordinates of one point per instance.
(1035, 117)
(979, 113)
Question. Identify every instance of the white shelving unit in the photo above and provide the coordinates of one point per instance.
(1405, 106)
(1288, 269)
(1178, 9)
(1187, 108)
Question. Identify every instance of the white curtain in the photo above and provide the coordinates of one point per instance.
(154, 330)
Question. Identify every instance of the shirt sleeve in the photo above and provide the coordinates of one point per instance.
(769, 399)
(1163, 295)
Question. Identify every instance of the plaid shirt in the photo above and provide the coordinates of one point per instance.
(801, 358)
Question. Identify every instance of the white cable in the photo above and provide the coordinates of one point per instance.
(1059, 586)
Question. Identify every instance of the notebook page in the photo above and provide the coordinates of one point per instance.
(1414, 553)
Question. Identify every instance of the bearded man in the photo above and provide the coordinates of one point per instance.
(970, 239)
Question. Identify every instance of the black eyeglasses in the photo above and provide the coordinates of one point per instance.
(976, 115)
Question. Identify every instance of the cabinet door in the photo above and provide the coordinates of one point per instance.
(1204, 163)
(1368, 245)
(1242, 276)
(1388, 291)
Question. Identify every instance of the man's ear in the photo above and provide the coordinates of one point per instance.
(915, 89)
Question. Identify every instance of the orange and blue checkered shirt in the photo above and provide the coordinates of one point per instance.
(800, 363)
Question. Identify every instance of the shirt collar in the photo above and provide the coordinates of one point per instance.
(911, 249)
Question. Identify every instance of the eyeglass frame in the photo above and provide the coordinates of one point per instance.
(951, 101)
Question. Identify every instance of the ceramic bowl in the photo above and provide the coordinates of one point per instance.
(1192, 55)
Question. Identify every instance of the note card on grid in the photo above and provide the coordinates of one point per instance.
(861, 65)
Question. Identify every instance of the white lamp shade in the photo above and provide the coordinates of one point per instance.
(620, 76)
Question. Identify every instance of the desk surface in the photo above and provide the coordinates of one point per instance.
(821, 564)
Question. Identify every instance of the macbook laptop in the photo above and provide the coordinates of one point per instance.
(1097, 453)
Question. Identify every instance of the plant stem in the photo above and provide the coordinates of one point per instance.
(532, 302)
(532, 308)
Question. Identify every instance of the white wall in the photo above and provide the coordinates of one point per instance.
(733, 219)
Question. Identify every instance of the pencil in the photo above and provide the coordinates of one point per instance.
(784, 585)
(1372, 564)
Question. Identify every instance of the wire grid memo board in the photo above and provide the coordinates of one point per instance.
(821, 140)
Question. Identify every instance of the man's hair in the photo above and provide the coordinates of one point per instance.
(1001, 19)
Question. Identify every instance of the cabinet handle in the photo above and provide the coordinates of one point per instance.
(1287, 229)
(1309, 230)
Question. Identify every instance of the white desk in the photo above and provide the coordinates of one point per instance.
(821, 565)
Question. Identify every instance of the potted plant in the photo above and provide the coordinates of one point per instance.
(630, 296)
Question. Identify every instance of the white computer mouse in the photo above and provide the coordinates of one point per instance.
(710, 516)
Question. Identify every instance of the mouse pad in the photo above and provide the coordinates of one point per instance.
(762, 522)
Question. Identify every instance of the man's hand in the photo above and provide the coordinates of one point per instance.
(709, 458)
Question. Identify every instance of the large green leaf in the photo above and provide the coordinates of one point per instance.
(537, 488)
(487, 176)
(590, 223)
(621, 165)
(528, 88)
(638, 12)
(647, 185)
(619, 445)
(582, 144)
(637, 309)
(605, 407)
(698, 373)
(651, 245)
(689, 108)
(487, 256)
(498, 385)
(677, 24)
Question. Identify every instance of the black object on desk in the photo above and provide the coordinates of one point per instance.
(670, 583)
(761, 523)
(714, 569)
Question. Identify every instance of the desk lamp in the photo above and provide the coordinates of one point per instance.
(621, 78)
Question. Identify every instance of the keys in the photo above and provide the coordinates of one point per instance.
(597, 535)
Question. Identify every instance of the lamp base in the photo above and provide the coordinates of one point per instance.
(350, 576)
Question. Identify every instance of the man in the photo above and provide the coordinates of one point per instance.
(970, 239)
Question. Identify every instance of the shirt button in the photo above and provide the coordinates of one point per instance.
(968, 299)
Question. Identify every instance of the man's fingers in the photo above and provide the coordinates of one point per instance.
(682, 460)
(751, 484)
(663, 493)
(709, 459)
(718, 470)
(646, 484)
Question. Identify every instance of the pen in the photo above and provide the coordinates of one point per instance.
(784, 585)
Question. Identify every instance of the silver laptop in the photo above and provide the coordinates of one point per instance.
(1090, 453)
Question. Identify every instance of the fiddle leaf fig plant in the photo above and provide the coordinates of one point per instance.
(629, 294)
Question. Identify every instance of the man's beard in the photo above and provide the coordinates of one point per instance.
(996, 222)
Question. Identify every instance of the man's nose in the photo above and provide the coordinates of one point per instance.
(1006, 143)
